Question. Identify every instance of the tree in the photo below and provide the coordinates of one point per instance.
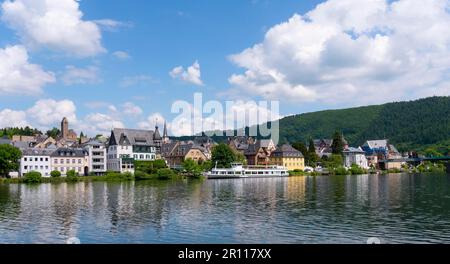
(72, 176)
(9, 159)
(223, 155)
(165, 174)
(312, 155)
(300, 146)
(192, 168)
(338, 143)
(55, 174)
(33, 177)
(54, 133)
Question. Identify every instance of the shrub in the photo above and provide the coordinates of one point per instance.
(150, 167)
(165, 174)
(33, 177)
(55, 174)
(357, 170)
(72, 176)
(116, 176)
(340, 171)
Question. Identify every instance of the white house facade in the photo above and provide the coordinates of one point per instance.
(355, 156)
(38, 160)
(97, 157)
(129, 145)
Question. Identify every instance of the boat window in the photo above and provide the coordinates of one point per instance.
(260, 172)
(230, 173)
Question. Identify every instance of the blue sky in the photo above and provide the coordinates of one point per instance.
(96, 87)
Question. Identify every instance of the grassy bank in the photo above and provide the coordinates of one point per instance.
(109, 177)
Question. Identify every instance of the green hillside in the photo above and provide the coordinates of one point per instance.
(422, 125)
(408, 125)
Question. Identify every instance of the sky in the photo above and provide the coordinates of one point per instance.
(124, 63)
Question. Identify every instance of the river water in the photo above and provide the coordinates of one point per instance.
(396, 208)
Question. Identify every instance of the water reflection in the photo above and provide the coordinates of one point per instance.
(342, 209)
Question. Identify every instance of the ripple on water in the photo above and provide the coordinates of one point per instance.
(395, 208)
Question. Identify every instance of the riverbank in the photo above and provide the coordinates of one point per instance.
(109, 177)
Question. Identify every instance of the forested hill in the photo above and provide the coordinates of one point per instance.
(415, 125)
(408, 125)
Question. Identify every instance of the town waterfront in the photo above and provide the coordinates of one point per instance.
(396, 208)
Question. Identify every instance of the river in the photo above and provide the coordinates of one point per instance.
(396, 208)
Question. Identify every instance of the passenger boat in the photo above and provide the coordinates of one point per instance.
(238, 170)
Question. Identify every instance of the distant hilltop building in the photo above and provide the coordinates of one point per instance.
(66, 133)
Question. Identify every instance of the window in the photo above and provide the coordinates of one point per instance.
(46, 159)
(25, 167)
(79, 161)
(141, 157)
(35, 159)
(67, 161)
(25, 159)
(147, 157)
(62, 161)
(42, 167)
(62, 169)
(46, 167)
(42, 159)
(73, 161)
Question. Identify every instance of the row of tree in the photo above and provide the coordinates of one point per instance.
(310, 154)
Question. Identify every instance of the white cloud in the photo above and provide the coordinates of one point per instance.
(191, 75)
(98, 123)
(110, 24)
(239, 114)
(48, 113)
(74, 75)
(130, 81)
(151, 121)
(53, 24)
(351, 51)
(131, 109)
(11, 118)
(121, 55)
(18, 75)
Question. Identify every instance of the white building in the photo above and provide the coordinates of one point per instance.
(36, 160)
(67, 159)
(97, 157)
(355, 156)
(128, 145)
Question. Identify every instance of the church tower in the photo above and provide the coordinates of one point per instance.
(65, 128)
(165, 138)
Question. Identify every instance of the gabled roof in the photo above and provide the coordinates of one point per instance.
(287, 150)
(69, 152)
(354, 150)
(5, 140)
(131, 137)
(37, 152)
(375, 144)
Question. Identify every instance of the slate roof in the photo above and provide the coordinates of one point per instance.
(287, 150)
(133, 137)
(69, 152)
(5, 140)
(37, 152)
(354, 150)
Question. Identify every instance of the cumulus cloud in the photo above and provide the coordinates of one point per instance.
(121, 55)
(216, 117)
(151, 121)
(18, 75)
(131, 109)
(53, 24)
(191, 75)
(48, 112)
(74, 75)
(351, 51)
(98, 123)
(11, 118)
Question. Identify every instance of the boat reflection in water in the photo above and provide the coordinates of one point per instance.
(238, 170)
